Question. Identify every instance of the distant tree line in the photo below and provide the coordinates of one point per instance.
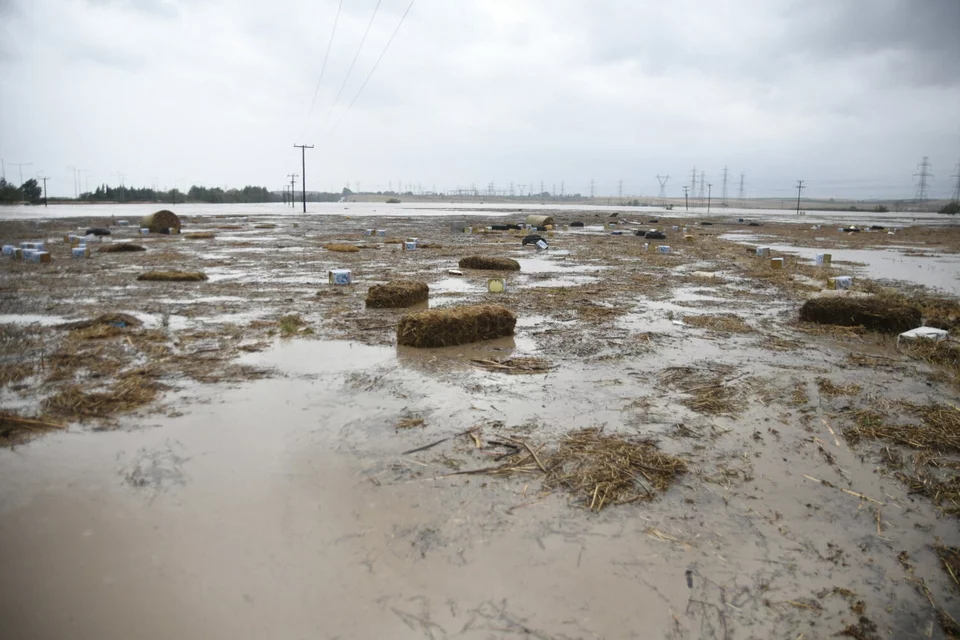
(106, 193)
(29, 191)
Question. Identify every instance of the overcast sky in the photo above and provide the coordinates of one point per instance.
(846, 94)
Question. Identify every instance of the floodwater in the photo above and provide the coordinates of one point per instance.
(922, 267)
(133, 212)
(293, 507)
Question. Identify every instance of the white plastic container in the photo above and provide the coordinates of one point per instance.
(823, 259)
(776, 263)
(83, 251)
(663, 249)
(381, 233)
(368, 232)
(123, 223)
(409, 246)
(144, 231)
(34, 255)
(9, 249)
(675, 228)
(35, 246)
(542, 245)
(925, 333)
(763, 252)
(340, 277)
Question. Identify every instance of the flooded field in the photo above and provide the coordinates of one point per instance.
(252, 455)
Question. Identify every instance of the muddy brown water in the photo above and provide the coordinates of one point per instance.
(285, 507)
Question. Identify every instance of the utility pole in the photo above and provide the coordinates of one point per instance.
(3, 167)
(923, 175)
(44, 178)
(620, 191)
(74, 169)
(740, 193)
(709, 190)
(723, 192)
(686, 203)
(956, 189)
(80, 173)
(293, 191)
(591, 188)
(663, 188)
(799, 189)
(21, 165)
(303, 183)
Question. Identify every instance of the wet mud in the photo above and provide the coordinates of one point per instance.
(312, 479)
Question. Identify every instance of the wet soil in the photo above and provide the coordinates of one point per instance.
(263, 490)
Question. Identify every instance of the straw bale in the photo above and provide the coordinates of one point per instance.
(161, 221)
(873, 313)
(121, 247)
(489, 263)
(460, 325)
(342, 248)
(398, 293)
(172, 276)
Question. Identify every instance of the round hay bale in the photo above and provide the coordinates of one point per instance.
(539, 221)
(655, 235)
(576, 224)
(396, 294)
(161, 222)
(489, 264)
(873, 313)
(172, 276)
(97, 231)
(499, 227)
(460, 325)
(122, 247)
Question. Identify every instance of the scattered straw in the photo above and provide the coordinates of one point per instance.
(601, 470)
(873, 313)
(122, 247)
(409, 423)
(830, 390)
(515, 365)
(15, 429)
(130, 392)
(291, 324)
(725, 322)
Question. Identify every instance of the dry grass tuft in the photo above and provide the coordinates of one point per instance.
(515, 365)
(938, 431)
(409, 423)
(603, 470)
(707, 389)
(290, 324)
(131, 391)
(725, 322)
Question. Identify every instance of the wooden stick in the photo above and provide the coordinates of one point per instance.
(441, 441)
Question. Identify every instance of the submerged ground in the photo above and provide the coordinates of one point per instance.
(239, 456)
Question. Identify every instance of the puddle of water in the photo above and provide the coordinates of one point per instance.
(546, 265)
(315, 357)
(27, 318)
(942, 272)
(454, 285)
(571, 281)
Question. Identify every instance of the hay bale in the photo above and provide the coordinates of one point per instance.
(533, 238)
(399, 293)
(200, 235)
(460, 325)
(489, 264)
(539, 221)
(342, 248)
(123, 247)
(97, 231)
(172, 276)
(576, 224)
(161, 221)
(873, 313)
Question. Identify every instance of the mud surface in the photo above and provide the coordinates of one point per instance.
(260, 486)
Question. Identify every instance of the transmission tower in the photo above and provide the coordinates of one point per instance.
(663, 187)
(561, 188)
(924, 175)
(620, 190)
(740, 193)
(693, 182)
(723, 190)
(591, 188)
(703, 181)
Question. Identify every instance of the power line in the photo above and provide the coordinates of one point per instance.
(923, 175)
(323, 67)
(375, 65)
(352, 64)
(293, 192)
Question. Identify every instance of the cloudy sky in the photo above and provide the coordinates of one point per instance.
(846, 94)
